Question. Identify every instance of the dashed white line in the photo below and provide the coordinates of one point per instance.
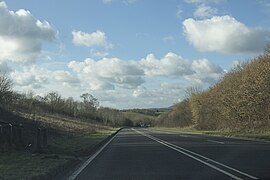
(218, 142)
(182, 135)
(189, 154)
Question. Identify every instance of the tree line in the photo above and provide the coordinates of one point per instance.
(240, 101)
(87, 109)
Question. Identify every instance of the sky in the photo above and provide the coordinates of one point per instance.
(128, 53)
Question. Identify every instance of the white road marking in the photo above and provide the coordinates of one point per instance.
(164, 132)
(218, 142)
(182, 135)
(188, 153)
(88, 161)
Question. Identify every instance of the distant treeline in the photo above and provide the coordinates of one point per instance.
(87, 109)
(149, 112)
(240, 101)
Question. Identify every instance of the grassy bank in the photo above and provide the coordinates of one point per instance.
(69, 142)
(253, 134)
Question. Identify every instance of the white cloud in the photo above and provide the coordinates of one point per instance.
(65, 77)
(96, 53)
(21, 35)
(97, 38)
(141, 92)
(170, 65)
(225, 34)
(108, 72)
(33, 77)
(204, 11)
(203, 66)
(112, 73)
(205, 72)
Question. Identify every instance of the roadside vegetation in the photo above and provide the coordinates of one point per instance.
(141, 117)
(238, 104)
(74, 129)
(69, 142)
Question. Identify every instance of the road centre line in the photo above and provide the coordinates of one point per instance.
(182, 135)
(191, 155)
(88, 161)
(218, 142)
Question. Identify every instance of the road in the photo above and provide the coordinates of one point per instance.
(149, 154)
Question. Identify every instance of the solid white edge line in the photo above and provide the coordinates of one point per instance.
(89, 160)
(172, 146)
(208, 159)
(218, 142)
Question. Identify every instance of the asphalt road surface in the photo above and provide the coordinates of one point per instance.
(142, 153)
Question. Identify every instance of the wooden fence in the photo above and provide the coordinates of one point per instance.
(12, 136)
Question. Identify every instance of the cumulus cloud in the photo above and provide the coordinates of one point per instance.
(205, 72)
(96, 53)
(204, 11)
(66, 77)
(22, 35)
(107, 72)
(170, 65)
(141, 92)
(33, 77)
(203, 66)
(97, 38)
(225, 34)
(38, 77)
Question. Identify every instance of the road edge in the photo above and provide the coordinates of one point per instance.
(218, 135)
(75, 171)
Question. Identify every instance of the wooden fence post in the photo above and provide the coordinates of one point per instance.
(10, 133)
(21, 134)
(45, 139)
(39, 148)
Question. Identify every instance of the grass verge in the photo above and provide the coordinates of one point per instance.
(68, 144)
(264, 135)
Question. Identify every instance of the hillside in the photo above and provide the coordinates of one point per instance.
(239, 102)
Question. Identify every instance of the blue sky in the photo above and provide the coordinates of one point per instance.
(128, 53)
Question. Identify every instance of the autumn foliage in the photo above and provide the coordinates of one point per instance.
(240, 101)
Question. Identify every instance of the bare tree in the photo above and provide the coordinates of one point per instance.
(5, 90)
(90, 105)
(54, 100)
